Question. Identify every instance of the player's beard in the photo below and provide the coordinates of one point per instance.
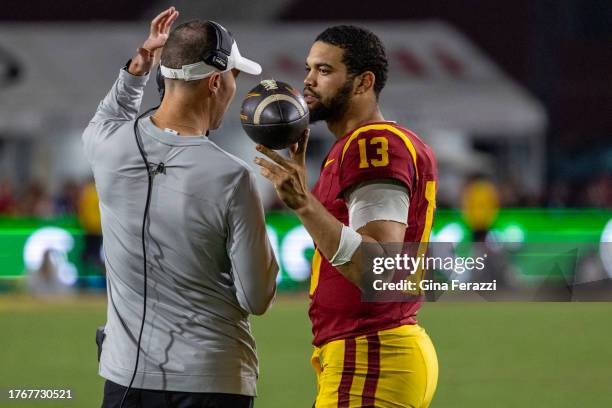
(334, 107)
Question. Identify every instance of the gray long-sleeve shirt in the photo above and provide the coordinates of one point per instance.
(209, 260)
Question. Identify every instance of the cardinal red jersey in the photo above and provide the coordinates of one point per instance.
(375, 151)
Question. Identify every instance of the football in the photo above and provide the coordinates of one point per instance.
(274, 114)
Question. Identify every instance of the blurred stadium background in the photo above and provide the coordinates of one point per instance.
(515, 98)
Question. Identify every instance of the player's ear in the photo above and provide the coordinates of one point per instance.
(364, 82)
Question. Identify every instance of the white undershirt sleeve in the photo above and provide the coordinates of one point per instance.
(378, 200)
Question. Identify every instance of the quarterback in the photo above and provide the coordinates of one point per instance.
(377, 185)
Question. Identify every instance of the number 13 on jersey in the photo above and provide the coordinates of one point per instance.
(382, 152)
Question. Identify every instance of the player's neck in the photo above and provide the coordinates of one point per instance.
(354, 118)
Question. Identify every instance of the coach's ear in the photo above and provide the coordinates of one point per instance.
(364, 82)
(214, 83)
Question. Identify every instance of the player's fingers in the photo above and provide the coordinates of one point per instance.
(300, 146)
(267, 174)
(300, 152)
(273, 168)
(275, 178)
(293, 149)
(274, 156)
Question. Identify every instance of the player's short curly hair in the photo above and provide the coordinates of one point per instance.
(363, 51)
(187, 43)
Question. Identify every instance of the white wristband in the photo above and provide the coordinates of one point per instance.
(349, 243)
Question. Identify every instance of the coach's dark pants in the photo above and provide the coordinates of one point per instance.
(137, 398)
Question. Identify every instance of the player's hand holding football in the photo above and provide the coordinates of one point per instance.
(287, 174)
(150, 52)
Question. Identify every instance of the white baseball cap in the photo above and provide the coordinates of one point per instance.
(201, 69)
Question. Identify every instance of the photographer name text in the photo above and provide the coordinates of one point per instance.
(454, 285)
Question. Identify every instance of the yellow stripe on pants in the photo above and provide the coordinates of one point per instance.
(408, 370)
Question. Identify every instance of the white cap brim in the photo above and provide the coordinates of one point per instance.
(243, 64)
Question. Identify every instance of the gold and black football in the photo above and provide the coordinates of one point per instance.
(274, 114)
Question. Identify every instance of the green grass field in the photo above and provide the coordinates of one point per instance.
(491, 354)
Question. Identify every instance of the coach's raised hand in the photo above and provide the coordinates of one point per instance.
(150, 52)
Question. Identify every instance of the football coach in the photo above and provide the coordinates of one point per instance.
(185, 245)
